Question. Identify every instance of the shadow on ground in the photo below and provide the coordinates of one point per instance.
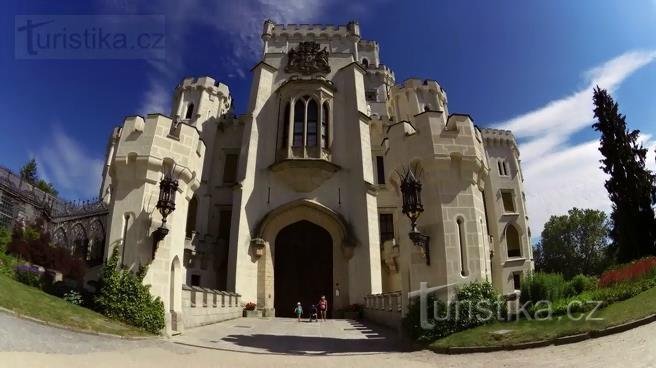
(374, 340)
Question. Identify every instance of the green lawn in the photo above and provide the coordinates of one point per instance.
(640, 306)
(35, 303)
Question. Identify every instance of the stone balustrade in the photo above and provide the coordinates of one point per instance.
(202, 306)
(384, 308)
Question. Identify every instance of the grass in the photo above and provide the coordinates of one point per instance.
(35, 303)
(642, 305)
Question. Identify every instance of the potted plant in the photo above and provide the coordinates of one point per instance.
(249, 310)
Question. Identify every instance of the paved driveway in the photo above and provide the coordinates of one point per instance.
(288, 336)
(285, 343)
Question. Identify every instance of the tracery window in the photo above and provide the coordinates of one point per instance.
(80, 241)
(309, 123)
(96, 243)
(59, 238)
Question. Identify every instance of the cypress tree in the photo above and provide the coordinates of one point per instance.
(630, 185)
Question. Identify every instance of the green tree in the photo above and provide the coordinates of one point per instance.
(29, 172)
(574, 243)
(630, 185)
(47, 187)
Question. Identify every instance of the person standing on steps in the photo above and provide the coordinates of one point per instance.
(323, 307)
(298, 311)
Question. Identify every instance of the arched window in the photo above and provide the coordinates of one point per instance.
(80, 241)
(285, 126)
(191, 216)
(299, 117)
(365, 62)
(96, 243)
(59, 238)
(312, 120)
(462, 242)
(512, 242)
(324, 124)
(190, 111)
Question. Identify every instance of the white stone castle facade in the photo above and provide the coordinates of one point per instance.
(299, 197)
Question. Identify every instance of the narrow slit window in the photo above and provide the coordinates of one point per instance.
(312, 120)
(463, 247)
(299, 120)
(380, 169)
(190, 111)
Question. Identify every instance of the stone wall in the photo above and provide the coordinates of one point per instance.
(384, 309)
(201, 306)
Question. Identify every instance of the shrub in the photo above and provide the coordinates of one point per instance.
(123, 296)
(29, 275)
(579, 284)
(476, 304)
(5, 238)
(635, 270)
(33, 245)
(250, 306)
(73, 297)
(542, 286)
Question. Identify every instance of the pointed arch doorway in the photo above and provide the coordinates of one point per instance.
(303, 267)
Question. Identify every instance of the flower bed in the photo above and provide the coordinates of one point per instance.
(629, 272)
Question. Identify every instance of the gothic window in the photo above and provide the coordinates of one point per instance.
(324, 125)
(380, 169)
(191, 216)
(462, 242)
(517, 276)
(59, 238)
(230, 168)
(80, 241)
(96, 243)
(285, 126)
(365, 62)
(312, 119)
(299, 117)
(508, 201)
(190, 111)
(503, 168)
(386, 225)
(512, 241)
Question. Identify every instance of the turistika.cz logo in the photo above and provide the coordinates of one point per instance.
(80, 36)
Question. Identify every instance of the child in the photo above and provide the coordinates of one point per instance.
(313, 313)
(298, 311)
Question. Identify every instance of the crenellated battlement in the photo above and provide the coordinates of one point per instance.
(415, 96)
(158, 137)
(207, 83)
(318, 31)
(498, 137)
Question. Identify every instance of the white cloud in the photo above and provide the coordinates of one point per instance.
(560, 175)
(238, 24)
(66, 163)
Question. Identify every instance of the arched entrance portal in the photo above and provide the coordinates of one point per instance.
(303, 267)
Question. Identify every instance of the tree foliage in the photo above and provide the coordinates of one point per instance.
(574, 243)
(630, 185)
(30, 173)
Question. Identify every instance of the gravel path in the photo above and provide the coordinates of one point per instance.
(285, 343)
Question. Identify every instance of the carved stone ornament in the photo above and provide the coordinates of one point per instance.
(308, 59)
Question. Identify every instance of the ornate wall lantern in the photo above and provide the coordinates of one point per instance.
(412, 207)
(168, 186)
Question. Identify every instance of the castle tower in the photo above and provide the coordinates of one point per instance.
(142, 151)
(449, 150)
(198, 101)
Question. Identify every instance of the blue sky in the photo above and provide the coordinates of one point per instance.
(528, 66)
